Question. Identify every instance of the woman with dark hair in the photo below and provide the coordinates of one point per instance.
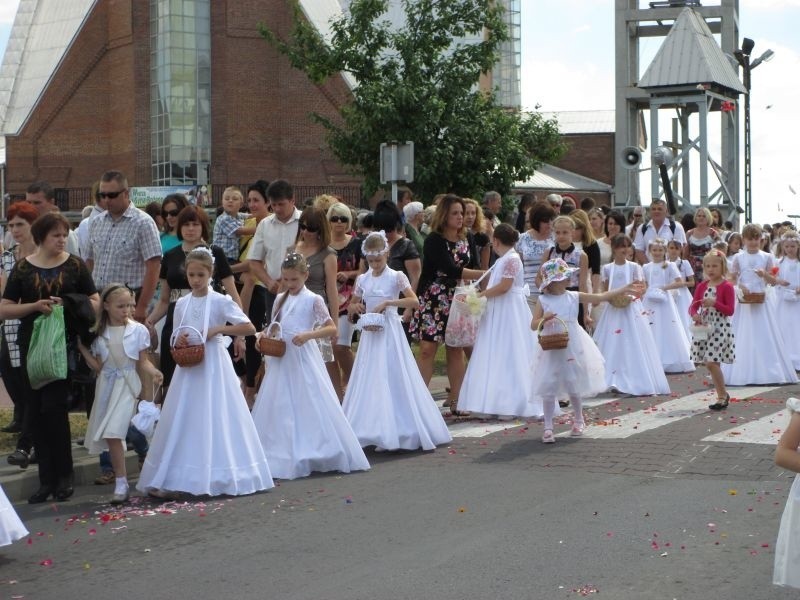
(37, 283)
(171, 207)
(193, 230)
(614, 223)
(21, 216)
(447, 258)
(314, 244)
(525, 203)
(534, 244)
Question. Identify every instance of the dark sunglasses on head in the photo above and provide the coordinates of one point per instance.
(111, 195)
(172, 213)
(305, 227)
(338, 219)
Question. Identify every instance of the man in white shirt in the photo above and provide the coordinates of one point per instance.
(273, 237)
(659, 226)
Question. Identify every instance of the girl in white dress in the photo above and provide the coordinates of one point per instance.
(787, 548)
(11, 527)
(761, 356)
(205, 442)
(623, 332)
(577, 370)
(387, 402)
(498, 379)
(297, 412)
(683, 294)
(787, 294)
(668, 328)
(121, 345)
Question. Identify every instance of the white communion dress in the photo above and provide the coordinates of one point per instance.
(500, 374)
(787, 548)
(623, 336)
(666, 324)
(297, 412)
(682, 296)
(11, 527)
(118, 384)
(205, 441)
(578, 369)
(786, 301)
(387, 402)
(761, 356)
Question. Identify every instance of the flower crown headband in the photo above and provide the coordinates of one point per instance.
(375, 234)
(204, 250)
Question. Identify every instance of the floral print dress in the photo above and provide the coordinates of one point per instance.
(430, 318)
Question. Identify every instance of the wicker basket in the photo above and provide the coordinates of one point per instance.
(187, 356)
(373, 322)
(271, 343)
(753, 298)
(553, 341)
(621, 301)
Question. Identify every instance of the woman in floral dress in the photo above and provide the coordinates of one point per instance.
(447, 258)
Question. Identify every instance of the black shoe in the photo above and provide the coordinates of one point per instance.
(64, 489)
(563, 403)
(20, 458)
(720, 404)
(41, 495)
(13, 427)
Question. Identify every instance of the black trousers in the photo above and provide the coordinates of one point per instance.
(20, 395)
(259, 312)
(49, 409)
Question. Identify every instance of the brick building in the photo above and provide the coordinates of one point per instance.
(91, 85)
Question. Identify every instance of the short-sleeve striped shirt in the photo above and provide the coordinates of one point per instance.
(10, 326)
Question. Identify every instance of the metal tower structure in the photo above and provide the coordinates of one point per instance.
(632, 24)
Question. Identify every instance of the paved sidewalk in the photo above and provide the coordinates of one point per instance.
(19, 484)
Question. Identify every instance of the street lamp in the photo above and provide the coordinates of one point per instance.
(743, 58)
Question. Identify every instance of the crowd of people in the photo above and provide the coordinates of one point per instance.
(564, 286)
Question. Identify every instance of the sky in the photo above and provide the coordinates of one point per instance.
(568, 64)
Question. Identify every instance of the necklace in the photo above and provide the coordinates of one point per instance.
(196, 307)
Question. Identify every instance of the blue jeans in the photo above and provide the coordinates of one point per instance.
(140, 446)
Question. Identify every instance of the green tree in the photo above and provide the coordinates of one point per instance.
(420, 83)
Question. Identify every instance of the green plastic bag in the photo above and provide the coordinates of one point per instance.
(47, 353)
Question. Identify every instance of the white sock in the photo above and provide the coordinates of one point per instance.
(122, 485)
(577, 405)
(549, 406)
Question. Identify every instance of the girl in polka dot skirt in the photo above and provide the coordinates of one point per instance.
(713, 305)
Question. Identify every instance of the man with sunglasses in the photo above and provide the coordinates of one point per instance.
(124, 246)
(274, 236)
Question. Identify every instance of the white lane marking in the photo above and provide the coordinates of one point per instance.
(766, 430)
(658, 415)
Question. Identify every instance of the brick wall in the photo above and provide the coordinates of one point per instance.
(590, 155)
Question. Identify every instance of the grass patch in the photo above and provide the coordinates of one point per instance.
(8, 441)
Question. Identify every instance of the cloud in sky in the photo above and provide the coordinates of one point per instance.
(764, 5)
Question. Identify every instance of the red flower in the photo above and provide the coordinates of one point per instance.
(774, 271)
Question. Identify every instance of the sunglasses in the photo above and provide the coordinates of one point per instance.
(172, 213)
(111, 195)
(336, 219)
(304, 227)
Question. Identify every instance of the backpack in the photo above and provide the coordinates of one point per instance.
(672, 226)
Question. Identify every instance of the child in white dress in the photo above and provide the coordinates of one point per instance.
(623, 332)
(387, 403)
(121, 345)
(491, 387)
(577, 370)
(787, 548)
(682, 295)
(761, 356)
(297, 412)
(205, 442)
(787, 294)
(667, 326)
(11, 527)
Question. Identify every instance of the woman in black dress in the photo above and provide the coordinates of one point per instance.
(193, 230)
(447, 258)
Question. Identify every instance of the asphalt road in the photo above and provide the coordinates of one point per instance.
(655, 511)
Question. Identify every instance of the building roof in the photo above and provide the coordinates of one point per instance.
(583, 121)
(690, 56)
(43, 30)
(556, 179)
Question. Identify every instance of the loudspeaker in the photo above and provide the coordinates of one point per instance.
(631, 157)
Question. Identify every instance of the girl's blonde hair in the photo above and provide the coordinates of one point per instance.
(201, 255)
(108, 292)
(479, 225)
(720, 256)
(581, 221)
(660, 242)
(296, 262)
(563, 220)
(789, 236)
